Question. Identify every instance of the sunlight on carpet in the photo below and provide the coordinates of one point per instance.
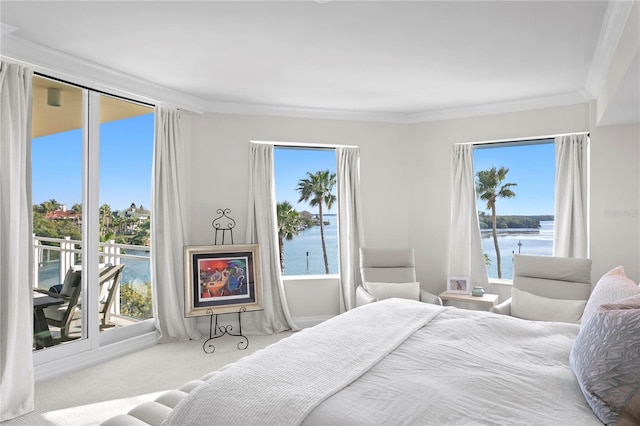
(94, 414)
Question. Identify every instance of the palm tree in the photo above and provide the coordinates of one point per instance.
(317, 189)
(289, 225)
(489, 188)
(105, 219)
(50, 205)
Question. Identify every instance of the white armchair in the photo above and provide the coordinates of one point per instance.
(389, 273)
(548, 288)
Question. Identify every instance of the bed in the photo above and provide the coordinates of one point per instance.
(405, 362)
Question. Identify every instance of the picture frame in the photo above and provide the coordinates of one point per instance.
(459, 285)
(222, 279)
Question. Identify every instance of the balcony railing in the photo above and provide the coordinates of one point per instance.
(54, 256)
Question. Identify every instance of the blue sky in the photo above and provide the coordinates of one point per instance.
(291, 165)
(126, 157)
(532, 167)
(126, 153)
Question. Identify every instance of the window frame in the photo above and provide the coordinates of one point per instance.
(510, 143)
(317, 147)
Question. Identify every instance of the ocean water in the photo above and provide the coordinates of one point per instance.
(303, 254)
(510, 241)
(136, 271)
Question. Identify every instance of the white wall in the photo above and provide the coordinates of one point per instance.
(217, 161)
(405, 175)
(615, 200)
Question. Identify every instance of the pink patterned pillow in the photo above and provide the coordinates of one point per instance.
(613, 286)
(605, 358)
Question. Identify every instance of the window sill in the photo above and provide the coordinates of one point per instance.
(310, 277)
(502, 282)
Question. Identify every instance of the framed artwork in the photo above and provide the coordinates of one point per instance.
(222, 279)
(461, 285)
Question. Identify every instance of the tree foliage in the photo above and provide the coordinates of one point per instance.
(489, 188)
(317, 190)
(504, 222)
(290, 223)
(135, 300)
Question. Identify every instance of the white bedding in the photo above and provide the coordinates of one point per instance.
(461, 368)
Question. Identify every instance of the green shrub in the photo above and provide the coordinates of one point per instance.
(135, 300)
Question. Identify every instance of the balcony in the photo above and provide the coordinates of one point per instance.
(54, 256)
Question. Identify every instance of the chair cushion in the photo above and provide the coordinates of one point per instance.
(613, 286)
(66, 284)
(537, 308)
(553, 277)
(605, 360)
(383, 291)
(56, 312)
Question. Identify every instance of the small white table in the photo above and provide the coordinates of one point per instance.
(487, 300)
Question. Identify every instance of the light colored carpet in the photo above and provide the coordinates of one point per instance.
(95, 394)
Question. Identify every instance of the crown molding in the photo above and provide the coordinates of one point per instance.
(567, 99)
(300, 112)
(6, 29)
(613, 24)
(67, 67)
(573, 98)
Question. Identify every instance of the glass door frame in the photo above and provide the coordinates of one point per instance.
(91, 336)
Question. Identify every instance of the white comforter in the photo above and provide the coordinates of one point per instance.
(461, 367)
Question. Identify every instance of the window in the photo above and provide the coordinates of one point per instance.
(305, 181)
(523, 210)
(91, 196)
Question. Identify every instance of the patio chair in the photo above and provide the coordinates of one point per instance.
(63, 316)
(109, 281)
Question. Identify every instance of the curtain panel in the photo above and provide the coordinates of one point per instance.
(262, 229)
(16, 254)
(350, 222)
(466, 258)
(571, 198)
(168, 229)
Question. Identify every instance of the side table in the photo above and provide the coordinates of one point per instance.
(487, 300)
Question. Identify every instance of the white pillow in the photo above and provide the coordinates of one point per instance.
(383, 291)
(537, 308)
(613, 286)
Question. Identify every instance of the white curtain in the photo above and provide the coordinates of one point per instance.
(572, 172)
(262, 229)
(350, 222)
(168, 229)
(16, 255)
(466, 258)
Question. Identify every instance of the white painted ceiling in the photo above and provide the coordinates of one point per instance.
(383, 57)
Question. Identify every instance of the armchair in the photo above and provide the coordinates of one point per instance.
(389, 273)
(547, 288)
(109, 282)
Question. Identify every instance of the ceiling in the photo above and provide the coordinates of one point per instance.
(402, 59)
(48, 119)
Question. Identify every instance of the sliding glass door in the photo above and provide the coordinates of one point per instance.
(91, 185)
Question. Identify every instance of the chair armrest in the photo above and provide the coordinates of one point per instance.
(427, 297)
(363, 297)
(56, 295)
(503, 308)
(54, 291)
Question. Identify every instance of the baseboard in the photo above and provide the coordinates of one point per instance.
(306, 322)
(91, 357)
